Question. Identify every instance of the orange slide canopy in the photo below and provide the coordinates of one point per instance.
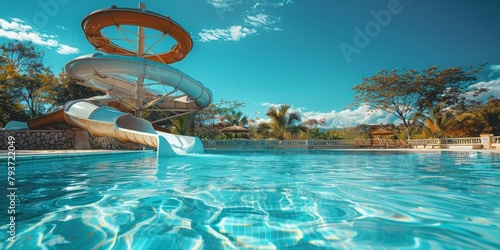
(97, 20)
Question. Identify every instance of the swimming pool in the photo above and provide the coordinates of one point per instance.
(301, 200)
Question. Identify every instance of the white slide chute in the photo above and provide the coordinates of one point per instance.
(134, 79)
(93, 115)
(115, 75)
(112, 74)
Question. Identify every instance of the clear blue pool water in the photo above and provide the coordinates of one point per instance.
(315, 200)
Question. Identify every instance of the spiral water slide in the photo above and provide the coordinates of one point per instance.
(131, 77)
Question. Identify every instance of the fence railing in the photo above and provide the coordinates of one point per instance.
(424, 142)
(274, 143)
(462, 141)
(472, 142)
(495, 139)
(332, 143)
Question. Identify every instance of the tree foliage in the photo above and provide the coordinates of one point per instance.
(284, 124)
(409, 94)
(26, 77)
(485, 118)
(235, 117)
(432, 102)
(65, 89)
(28, 88)
(395, 93)
(448, 87)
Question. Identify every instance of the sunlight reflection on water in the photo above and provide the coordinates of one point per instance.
(228, 201)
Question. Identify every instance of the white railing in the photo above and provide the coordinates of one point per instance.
(470, 142)
(462, 141)
(332, 143)
(280, 143)
(229, 143)
(286, 143)
(316, 144)
(255, 143)
(495, 139)
(423, 142)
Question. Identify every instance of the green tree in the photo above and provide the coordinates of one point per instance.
(393, 92)
(65, 89)
(313, 130)
(209, 121)
(331, 134)
(444, 121)
(315, 134)
(406, 95)
(10, 109)
(489, 116)
(448, 87)
(183, 125)
(27, 77)
(485, 118)
(284, 124)
(438, 120)
(235, 117)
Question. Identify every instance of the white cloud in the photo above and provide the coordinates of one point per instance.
(495, 67)
(492, 84)
(261, 20)
(272, 29)
(223, 4)
(16, 25)
(233, 33)
(67, 50)
(494, 72)
(344, 118)
(493, 87)
(17, 30)
(17, 20)
(254, 19)
(280, 3)
(61, 27)
(230, 4)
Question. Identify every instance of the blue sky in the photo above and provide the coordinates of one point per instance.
(305, 53)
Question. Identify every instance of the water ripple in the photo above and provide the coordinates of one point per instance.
(271, 201)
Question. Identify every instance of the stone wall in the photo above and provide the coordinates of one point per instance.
(99, 142)
(73, 138)
(39, 139)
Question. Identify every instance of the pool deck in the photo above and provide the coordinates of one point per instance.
(27, 155)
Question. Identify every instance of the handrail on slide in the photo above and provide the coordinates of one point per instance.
(106, 116)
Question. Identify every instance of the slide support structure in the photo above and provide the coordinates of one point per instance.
(140, 54)
(114, 73)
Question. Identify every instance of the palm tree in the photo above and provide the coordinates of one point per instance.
(183, 125)
(235, 117)
(442, 121)
(284, 124)
(437, 120)
(486, 117)
(490, 115)
(315, 133)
